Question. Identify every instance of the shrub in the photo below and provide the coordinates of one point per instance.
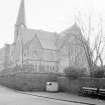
(99, 72)
(26, 81)
(74, 73)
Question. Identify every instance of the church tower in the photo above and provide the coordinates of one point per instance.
(20, 22)
(21, 15)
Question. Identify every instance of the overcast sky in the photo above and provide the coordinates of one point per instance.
(50, 15)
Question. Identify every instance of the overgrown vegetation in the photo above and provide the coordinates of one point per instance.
(99, 72)
(27, 81)
(72, 72)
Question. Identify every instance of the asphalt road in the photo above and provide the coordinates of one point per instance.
(9, 97)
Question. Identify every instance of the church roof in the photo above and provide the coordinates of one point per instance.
(73, 32)
(46, 39)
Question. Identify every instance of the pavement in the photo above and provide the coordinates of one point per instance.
(13, 97)
(68, 97)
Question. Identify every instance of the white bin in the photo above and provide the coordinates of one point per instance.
(52, 87)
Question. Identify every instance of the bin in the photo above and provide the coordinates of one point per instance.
(52, 87)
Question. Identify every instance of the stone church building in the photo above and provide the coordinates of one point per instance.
(45, 51)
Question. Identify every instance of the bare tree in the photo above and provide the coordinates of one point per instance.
(94, 52)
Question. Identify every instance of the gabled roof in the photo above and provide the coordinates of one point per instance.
(33, 40)
(47, 39)
(73, 31)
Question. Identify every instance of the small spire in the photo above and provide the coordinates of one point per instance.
(21, 15)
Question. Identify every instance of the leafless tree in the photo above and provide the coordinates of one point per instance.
(94, 51)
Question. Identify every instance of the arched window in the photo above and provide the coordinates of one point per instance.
(35, 68)
(47, 68)
(53, 68)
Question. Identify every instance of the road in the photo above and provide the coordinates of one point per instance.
(10, 97)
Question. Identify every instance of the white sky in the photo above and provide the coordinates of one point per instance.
(51, 15)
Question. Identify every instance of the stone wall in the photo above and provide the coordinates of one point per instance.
(69, 85)
(73, 85)
(26, 81)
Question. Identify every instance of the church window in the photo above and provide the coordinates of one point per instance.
(50, 68)
(47, 68)
(35, 68)
(53, 68)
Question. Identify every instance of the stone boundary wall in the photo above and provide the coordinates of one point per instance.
(73, 85)
(26, 81)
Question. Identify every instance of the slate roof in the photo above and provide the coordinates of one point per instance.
(73, 30)
(69, 33)
(47, 39)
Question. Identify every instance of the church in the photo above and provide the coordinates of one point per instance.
(45, 51)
